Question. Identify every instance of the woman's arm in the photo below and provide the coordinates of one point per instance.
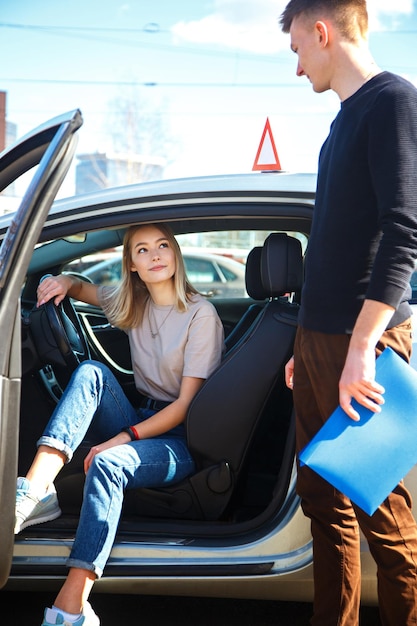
(159, 423)
(57, 287)
(172, 415)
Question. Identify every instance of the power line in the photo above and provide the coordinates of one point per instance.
(150, 28)
(133, 83)
(88, 33)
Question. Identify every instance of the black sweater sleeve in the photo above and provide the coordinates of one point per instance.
(363, 241)
(393, 167)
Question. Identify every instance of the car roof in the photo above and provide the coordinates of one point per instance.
(106, 207)
(300, 185)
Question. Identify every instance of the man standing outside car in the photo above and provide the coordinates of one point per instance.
(359, 261)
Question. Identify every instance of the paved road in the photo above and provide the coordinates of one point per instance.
(27, 609)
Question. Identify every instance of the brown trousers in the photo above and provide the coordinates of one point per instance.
(391, 531)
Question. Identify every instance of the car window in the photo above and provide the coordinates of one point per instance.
(228, 274)
(214, 261)
(107, 272)
(200, 270)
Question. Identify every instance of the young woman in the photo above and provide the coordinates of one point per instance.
(176, 341)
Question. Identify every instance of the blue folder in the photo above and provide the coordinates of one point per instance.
(366, 460)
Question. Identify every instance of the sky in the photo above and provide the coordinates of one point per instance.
(209, 73)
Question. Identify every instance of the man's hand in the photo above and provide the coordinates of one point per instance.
(358, 376)
(358, 381)
(289, 373)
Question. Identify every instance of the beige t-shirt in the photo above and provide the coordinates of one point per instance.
(188, 343)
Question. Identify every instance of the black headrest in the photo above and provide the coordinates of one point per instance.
(281, 265)
(253, 279)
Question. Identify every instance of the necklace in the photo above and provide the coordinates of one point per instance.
(155, 333)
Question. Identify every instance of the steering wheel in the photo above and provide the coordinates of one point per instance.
(58, 335)
(67, 332)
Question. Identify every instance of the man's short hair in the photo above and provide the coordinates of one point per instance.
(350, 16)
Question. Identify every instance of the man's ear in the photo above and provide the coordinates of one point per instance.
(322, 32)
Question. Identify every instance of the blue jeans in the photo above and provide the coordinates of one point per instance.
(94, 398)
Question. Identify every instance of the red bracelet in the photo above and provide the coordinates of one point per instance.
(135, 432)
(132, 432)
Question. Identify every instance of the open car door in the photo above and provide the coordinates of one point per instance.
(50, 147)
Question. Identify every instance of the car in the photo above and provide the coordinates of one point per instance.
(213, 275)
(235, 528)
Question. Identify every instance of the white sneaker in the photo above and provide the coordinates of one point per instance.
(30, 509)
(52, 617)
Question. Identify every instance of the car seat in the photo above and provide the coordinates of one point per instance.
(256, 291)
(225, 413)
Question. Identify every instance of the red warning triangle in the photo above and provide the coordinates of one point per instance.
(267, 155)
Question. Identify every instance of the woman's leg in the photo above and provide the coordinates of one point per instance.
(45, 467)
(146, 463)
(93, 392)
(75, 591)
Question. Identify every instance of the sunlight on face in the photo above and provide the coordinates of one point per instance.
(152, 255)
(307, 43)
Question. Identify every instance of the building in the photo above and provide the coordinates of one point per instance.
(8, 135)
(99, 170)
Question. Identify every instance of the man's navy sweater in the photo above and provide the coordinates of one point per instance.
(363, 242)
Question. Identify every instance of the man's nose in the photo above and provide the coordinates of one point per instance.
(300, 71)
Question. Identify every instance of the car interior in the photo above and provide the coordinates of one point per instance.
(240, 426)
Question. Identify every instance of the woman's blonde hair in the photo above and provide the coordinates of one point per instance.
(128, 299)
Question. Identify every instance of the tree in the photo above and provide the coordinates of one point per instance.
(139, 125)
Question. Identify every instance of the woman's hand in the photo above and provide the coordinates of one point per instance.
(118, 440)
(55, 287)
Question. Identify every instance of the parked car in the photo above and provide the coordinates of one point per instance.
(235, 528)
(214, 276)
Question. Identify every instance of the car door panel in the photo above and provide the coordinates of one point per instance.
(52, 147)
(108, 344)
